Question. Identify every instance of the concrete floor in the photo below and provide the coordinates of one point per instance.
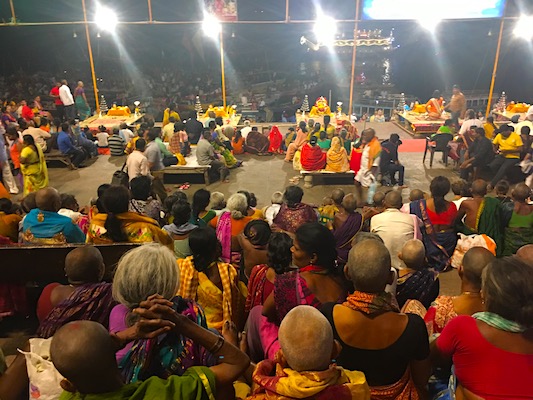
(262, 175)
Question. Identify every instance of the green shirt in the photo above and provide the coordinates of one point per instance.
(198, 383)
(324, 144)
(163, 148)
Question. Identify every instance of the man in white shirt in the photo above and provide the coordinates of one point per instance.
(246, 130)
(394, 227)
(68, 101)
(39, 135)
(125, 133)
(469, 122)
(168, 130)
(137, 163)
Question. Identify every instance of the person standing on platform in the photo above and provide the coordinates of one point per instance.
(194, 129)
(370, 160)
(68, 101)
(54, 93)
(457, 105)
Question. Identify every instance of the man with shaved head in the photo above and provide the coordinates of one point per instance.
(371, 327)
(395, 227)
(346, 223)
(43, 225)
(305, 358)
(86, 297)
(519, 220)
(482, 215)
(84, 354)
(469, 302)
(525, 253)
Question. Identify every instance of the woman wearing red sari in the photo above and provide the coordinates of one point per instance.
(312, 158)
(275, 138)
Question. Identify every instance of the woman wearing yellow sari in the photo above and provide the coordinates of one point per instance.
(337, 157)
(33, 166)
(170, 112)
(212, 283)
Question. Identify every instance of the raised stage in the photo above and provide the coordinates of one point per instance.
(109, 121)
(418, 124)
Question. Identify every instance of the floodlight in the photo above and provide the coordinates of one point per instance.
(524, 27)
(429, 22)
(325, 29)
(211, 26)
(136, 102)
(105, 18)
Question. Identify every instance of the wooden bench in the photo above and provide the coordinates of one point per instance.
(310, 176)
(46, 264)
(56, 155)
(188, 170)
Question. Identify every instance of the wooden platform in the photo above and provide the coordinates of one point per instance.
(56, 155)
(417, 124)
(191, 168)
(109, 121)
(310, 177)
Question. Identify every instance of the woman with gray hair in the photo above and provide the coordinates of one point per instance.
(143, 272)
(229, 225)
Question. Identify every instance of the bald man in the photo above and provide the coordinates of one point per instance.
(395, 227)
(488, 222)
(43, 225)
(525, 253)
(416, 282)
(84, 266)
(84, 353)
(307, 345)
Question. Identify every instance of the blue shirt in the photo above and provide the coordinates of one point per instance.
(65, 143)
(48, 225)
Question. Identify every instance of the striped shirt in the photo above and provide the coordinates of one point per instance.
(116, 145)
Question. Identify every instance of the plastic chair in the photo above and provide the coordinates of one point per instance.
(439, 144)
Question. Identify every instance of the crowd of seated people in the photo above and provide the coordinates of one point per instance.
(224, 299)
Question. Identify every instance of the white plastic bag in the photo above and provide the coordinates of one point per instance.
(44, 378)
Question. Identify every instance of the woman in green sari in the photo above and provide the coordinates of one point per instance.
(33, 166)
(81, 102)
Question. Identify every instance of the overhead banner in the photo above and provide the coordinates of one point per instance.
(424, 9)
(224, 10)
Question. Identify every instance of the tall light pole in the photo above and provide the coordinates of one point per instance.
(213, 28)
(354, 52)
(91, 60)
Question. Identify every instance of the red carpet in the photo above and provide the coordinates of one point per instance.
(412, 146)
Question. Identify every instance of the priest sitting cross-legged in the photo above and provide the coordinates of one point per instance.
(303, 368)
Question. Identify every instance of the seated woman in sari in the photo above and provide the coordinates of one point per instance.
(256, 142)
(200, 215)
(389, 347)
(253, 243)
(211, 282)
(238, 143)
(33, 166)
(118, 225)
(519, 229)
(438, 216)
(230, 225)
(142, 201)
(492, 350)
(261, 282)
(86, 297)
(180, 228)
(312, 157)
(337, 158)
(293, 212)
(275, 138)
(346, 224)
(299, 141)
(434, 106)
(143, 272)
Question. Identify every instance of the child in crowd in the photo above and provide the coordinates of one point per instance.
(272, 210)
(461, 191)
(327, 211)
(502, 188)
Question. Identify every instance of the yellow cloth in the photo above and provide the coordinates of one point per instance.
(218, 305)
(138, 228)
(513, 142)
(9, 226)
(330, 131)
(34, 169)
(489, 130)
(167, 114)
(337, 157)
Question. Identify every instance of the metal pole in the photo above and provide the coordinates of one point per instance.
(222, 68)
(352, 81)
(13, 15)
(150, 10)
(495, 69)
(91, 61)
(287, 11)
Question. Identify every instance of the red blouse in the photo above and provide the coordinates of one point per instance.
(445, 218)
(485, 370)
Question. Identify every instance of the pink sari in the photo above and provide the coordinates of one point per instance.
(223, 232)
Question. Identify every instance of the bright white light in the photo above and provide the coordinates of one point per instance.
(211, 26)
(136, 102)
(430, 23)
(325, 29)
(524, 27)
(105, 18)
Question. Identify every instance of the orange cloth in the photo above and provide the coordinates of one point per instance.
(237, 146)
(4, 194)
(237, 225)
(9, 226)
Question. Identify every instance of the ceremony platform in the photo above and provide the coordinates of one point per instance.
(109, 121)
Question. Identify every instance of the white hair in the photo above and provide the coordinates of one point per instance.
(218, 201)
(277, 198)
(238, 205)
(146, 270)
(306, 338)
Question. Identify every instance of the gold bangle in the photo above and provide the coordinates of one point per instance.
(217, 346)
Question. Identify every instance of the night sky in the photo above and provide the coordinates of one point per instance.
(459, 52)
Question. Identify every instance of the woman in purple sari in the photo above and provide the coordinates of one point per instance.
(346, 224)
(293, 213)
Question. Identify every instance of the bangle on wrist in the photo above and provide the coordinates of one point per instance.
(217, 346)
